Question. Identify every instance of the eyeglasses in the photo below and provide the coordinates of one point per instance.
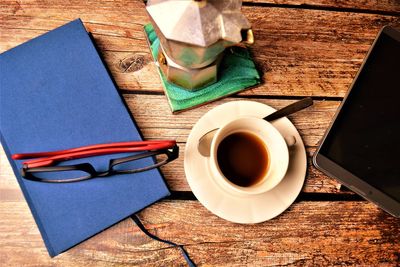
(41, 166)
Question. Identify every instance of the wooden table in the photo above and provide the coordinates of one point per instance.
(303, 48)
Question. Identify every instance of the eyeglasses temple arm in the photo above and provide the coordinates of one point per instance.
(93, 147)
(48, 161)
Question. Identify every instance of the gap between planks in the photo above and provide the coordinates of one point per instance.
(303, 196)
(239, 95)
(323, 8)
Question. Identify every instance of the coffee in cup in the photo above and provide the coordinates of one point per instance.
(248, 156)
(243, 158)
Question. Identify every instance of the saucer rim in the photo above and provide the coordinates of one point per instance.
(283, 205)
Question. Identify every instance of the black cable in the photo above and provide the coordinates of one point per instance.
(144, 230)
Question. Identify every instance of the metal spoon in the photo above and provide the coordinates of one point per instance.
(204, 144)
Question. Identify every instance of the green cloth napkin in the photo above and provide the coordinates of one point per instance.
(237, 72)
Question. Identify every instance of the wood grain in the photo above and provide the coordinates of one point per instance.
(311, 124)
(308, 234)
(315, 49)
(390, 6)
(146, 109)
(298, 51)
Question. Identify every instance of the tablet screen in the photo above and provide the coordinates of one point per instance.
(365, 138)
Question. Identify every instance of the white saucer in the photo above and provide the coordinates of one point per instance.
(237, 208)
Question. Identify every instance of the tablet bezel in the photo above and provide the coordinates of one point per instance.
(344, 176)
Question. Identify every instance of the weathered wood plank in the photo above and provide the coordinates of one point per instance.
(146, 109)
(311, 124)
(299, 51)
(154, 117)
(308, 234)
(310, 52)
(392, 6)
(316, 182)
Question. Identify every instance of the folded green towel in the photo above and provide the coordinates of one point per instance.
(236, 73)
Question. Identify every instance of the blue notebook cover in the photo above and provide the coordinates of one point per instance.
(55, 93)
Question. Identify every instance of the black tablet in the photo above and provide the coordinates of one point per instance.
(361, 148)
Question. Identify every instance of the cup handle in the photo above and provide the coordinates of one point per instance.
(290, 140)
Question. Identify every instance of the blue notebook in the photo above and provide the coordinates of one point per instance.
(55, 93)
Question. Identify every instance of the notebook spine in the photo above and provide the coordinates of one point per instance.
(27, 198)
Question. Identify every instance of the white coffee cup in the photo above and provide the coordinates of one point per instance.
(273, 141)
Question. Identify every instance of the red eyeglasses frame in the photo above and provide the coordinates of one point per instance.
(43, 159)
